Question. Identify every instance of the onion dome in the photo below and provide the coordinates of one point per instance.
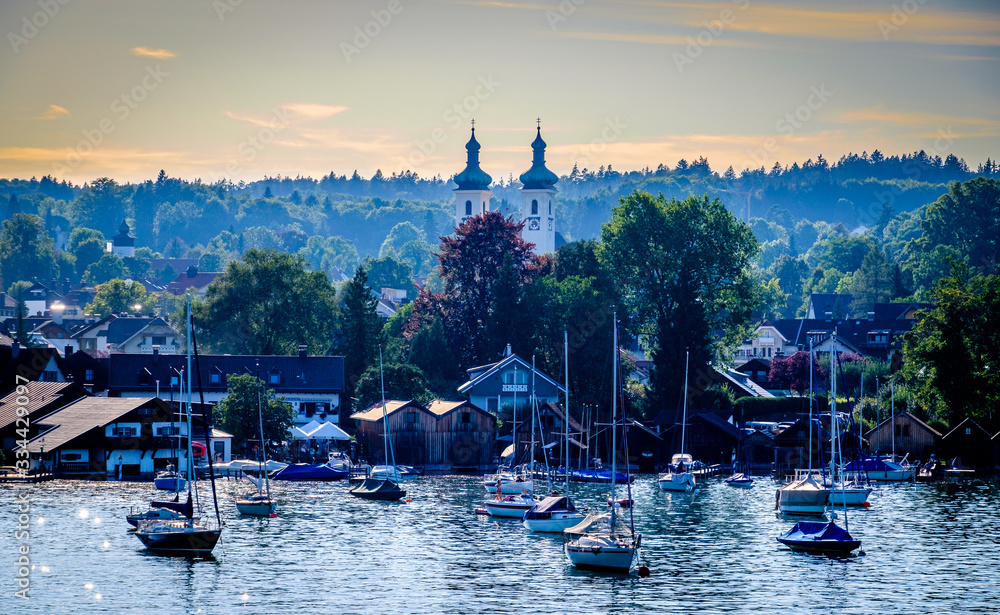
(473, 178)
(538, 177)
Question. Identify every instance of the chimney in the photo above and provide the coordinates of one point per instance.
(57, 310)
(192, 271)
(506, 351)
(156, 354)
(67, 350)
(303, 351)
(871, 315)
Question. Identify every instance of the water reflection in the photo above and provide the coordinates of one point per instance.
(712, 550)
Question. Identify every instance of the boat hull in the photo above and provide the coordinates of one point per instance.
(677, 482)
(849, 497)
(378, 489)
(256, 507)
(508, 509)
(177, 539)
(603, 553)
(556, 523)
(819, 538)
(170, 483)
(890, 475)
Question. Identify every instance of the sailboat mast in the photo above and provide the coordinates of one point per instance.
(263, 449)
(190, 428)
(811, 369)
(833, 406)
(385, 420)
(684, 419)
(892, 413)
(566, 444)
(534, 412)
(513, 433)
(206, 419)
(614, 418)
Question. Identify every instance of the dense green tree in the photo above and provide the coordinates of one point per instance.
(387, 272)
(360, 328)
(66, 266)
(791, 273)
(430, 352)
(399, 235)
(237, 412)
(506, 317)
(683, 267)
(117, 296)
(103, 205)
(967, 219)
(872, 283)
(951, 355)
(107, 268)
(26, 250)
(13, 207)
(268, 303)
(88, 246)
(402, 381)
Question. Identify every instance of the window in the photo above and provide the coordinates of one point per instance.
(215, 377)
(123, 432)
(466, 417)
(968, 431)
(550, 208)
(274, 378)
(174, 380)
(169, 430)
(159, 340)
(411, 417)
(468, 208)
(49, 376)
(88, 375)
(534, 207)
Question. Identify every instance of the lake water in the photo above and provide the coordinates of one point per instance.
(929, 548)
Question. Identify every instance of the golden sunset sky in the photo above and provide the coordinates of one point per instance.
(242, 89)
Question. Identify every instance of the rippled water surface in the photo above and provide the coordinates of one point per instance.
(929, 548)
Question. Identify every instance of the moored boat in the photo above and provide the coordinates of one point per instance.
(818, 536)
(555, 513)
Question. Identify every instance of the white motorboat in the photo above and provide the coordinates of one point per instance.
(398, 472)
(510, 506)
(511, 480)
(802, 497)
(257, 504)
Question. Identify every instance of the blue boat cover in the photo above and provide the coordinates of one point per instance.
(871, 464)
(306, 471)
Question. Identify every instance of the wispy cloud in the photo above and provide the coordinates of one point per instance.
(313, 111)
(159, 54)
(53, 112)
(652, 39)
(925, 123)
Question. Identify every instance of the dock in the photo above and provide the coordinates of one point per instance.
(8, 475)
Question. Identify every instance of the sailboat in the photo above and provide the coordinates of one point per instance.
(615, 548)
(188, 535)
(818, 536)
(804, 495)
(885, 468)
(678, 476)
(259, 503)
(384, 487)
(741, 479)
(170, 479)
(556, 513)
(517, 505)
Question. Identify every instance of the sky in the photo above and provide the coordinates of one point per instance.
(243, 89)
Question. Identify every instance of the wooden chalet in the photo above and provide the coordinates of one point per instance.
(906, 434)
(442, 437)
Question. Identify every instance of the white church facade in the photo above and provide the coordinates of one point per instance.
(537, 210)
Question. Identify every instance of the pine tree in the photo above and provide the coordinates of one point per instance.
(361, 328)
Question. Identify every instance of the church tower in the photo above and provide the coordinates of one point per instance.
(472, 197)
(122, 244)
(537, 200)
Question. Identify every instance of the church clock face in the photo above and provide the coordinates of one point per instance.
(534, 224)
